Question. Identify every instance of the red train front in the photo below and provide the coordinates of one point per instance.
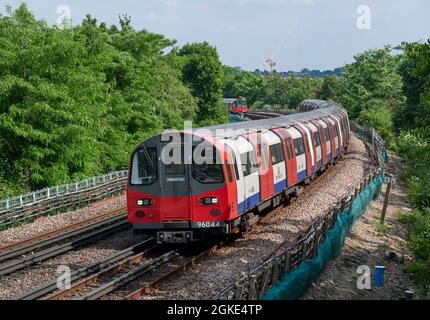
(171, 195)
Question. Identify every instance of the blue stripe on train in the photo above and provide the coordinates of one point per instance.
(301, 175)
(337, 150)
(281, 185)
(319, 162)
(249, 202)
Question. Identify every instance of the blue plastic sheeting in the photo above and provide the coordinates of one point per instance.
(293, 284)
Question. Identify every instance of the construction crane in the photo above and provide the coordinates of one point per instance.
(269, 62)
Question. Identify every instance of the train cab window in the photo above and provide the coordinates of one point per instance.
(177, 166)
(144, 166)
(249, 162)
(327, 135)
(276, 153)
(299, 147)
(317, 139)
(207, 171)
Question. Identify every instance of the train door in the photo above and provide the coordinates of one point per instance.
(240, 181)
(317, 144)
(333, 141)
(249, 168)
(308, 149)
(299, 151)
(338, 130)
(290, 158)
(264, 164)
(278, 161)
(175, 182)
(335, 135)
(323, 141)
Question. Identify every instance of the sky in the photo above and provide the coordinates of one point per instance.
(295, 34)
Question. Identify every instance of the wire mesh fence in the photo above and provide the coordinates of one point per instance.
(55, 199)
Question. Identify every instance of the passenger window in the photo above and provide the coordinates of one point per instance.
(299, 148)
(249, 162)
(264, 156)
(335, 130)
(229, 174)
(327, 135)
(276, 153)
(317, 139)
(290, 149)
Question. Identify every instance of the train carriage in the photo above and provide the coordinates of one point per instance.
(185, 186)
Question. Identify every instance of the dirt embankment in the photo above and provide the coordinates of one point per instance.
(368, 244)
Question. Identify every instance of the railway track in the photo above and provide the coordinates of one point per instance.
(49, 289)
(98, 280)
(28, 252)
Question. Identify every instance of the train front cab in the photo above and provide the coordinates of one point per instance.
(179, 202)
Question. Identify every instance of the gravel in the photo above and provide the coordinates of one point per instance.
(34, 276)
(45, 224)
(229, 263)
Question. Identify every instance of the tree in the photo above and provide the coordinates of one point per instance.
(74, 103)
(202, 71)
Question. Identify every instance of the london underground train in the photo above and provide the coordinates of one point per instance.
(185, 186)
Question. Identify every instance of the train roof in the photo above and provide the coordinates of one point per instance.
(320, 108)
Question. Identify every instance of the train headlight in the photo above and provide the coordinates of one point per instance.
(209, 200)
(145, 202)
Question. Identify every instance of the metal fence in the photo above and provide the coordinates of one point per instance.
(289, 256)
(58, 198)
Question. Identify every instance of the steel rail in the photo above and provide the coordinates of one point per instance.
(55, 250)
(51, 286)
(29, 245)
(108, 269)
(147, 288)
(130, 276)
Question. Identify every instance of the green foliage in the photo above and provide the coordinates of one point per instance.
(419, 243)
(261, 92)
(202, 71)
(74, 103)
(380, 118)
(413, 122)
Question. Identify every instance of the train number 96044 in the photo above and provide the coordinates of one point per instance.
(207, 224)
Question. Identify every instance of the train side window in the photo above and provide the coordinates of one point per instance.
(229, 173)
(299, 147)
(264, 156)
(276, 153)
(233, 157)
(289, 148)
(317, 139)
(249, 162)
(335, 130)
(327, 135)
